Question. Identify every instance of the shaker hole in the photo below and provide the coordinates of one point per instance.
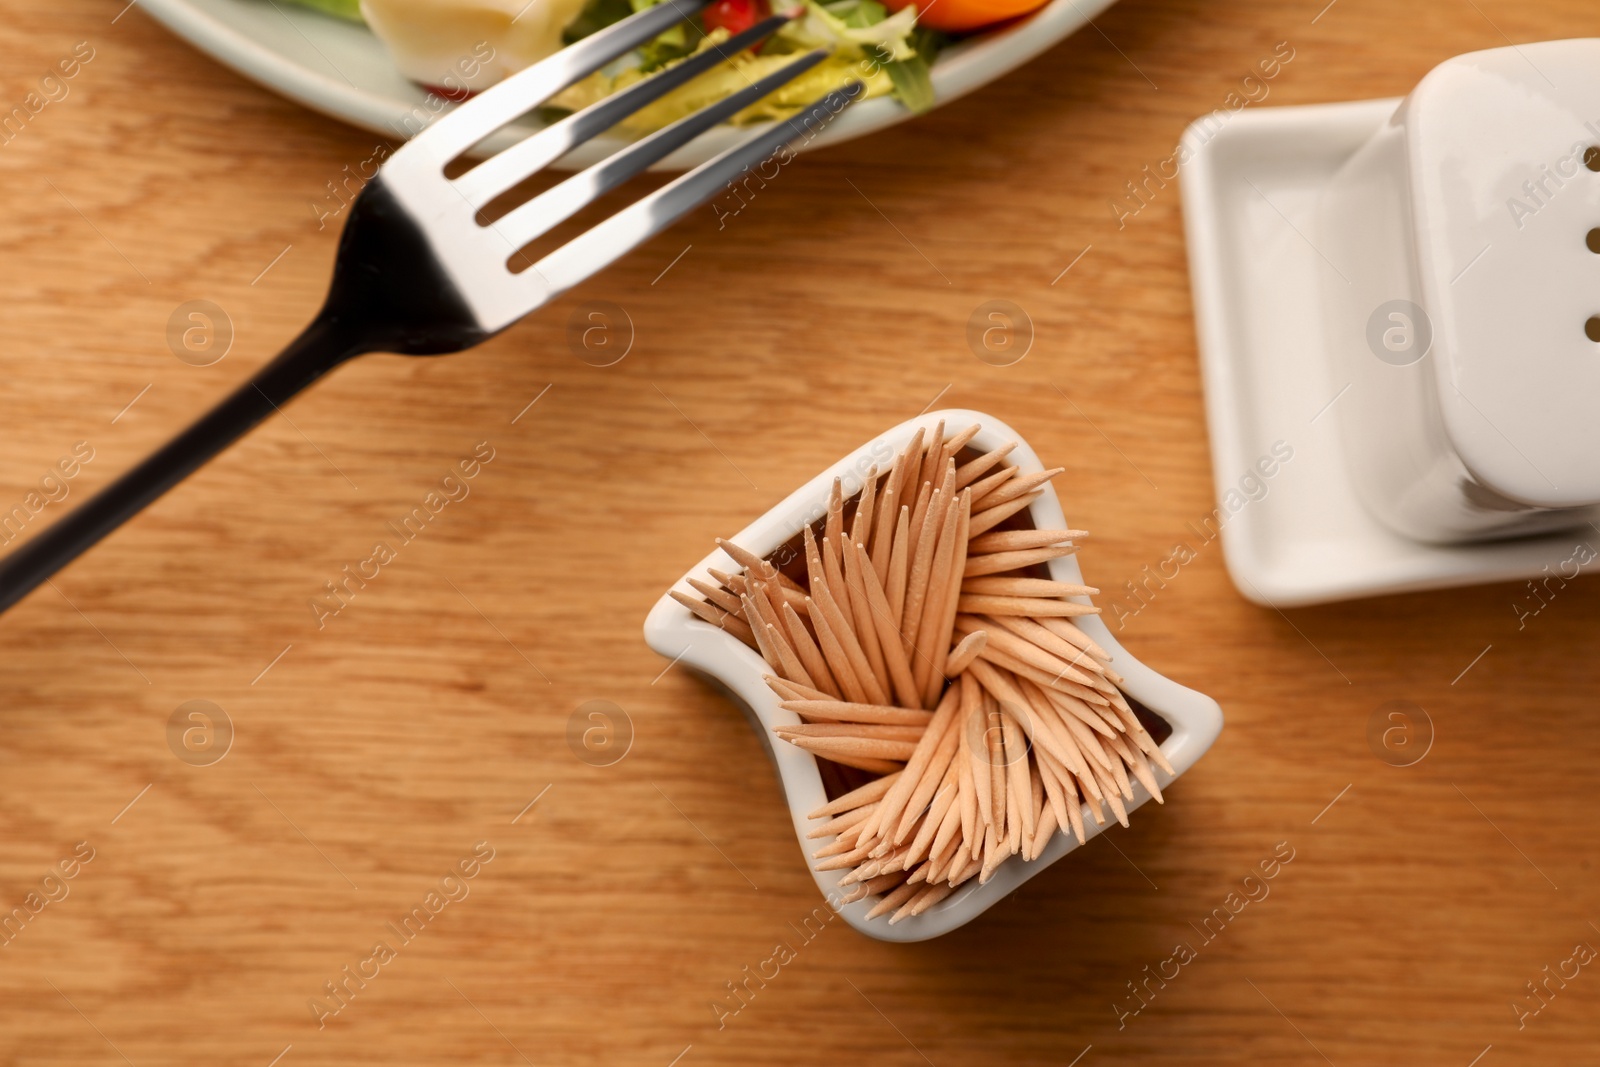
(1592, 240)
(1591, 329)
(1591, 157)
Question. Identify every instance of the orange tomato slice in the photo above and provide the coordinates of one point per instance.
(960, 16)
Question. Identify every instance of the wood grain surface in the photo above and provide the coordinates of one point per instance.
(408, 735)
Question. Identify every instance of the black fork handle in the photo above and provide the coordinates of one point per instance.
(322, 346)
(389, 294)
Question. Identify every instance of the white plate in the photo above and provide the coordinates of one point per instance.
(341, 69)
(675, 633)
(1248, 195)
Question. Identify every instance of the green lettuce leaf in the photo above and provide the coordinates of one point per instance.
(912, 77)
(349, 10)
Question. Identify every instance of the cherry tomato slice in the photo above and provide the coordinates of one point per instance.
(735, 16)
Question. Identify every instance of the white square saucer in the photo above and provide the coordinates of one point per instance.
(1249, 187)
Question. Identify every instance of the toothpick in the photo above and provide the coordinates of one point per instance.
(976, 726)
(1036, 785)
(940, 806)
(870, 764)
(924, 900)
(1019, 803)
(998, 562)
(1015, 488)
(966, 874)
(943, 635)
(882, 618)
(757, 594)
(1026, 606)
(955, 443)
(856, 747)
(849, 859)
(1057, 795)
(862, 873)
(1062, 745)
(839, 824)
(908, 466)
(810, 655)
(1112, 798)
(844, 711)
(734, 582)
(717, 595)
(1007, 586)
(984, 486)
(847, 841)
(751, 562)
(833, 525)
(793, 690)
(919, 515)
(788, 584)
(1017, 648)
(786, 656)
(1047, 639)
(1086, 740)
(883, 527)
(1071, 797)
(844, 635)
(1119, 769)
(965, 652)
(834, 653)
(898, 570)
(717, 617)
(1012, 540)
(837, 587)
(940, 862)
(1045, 830)
(931, 777)
(933, 455)
(999, 772)
(894, 803)
(873, 730)
(882, 883)
(856, 893)
(970, 472)
(967, 786)
(861, 610)
(892, 901)
(933, 639)
(785, 689)
(1068, 631)
(987, 519)
(870, 793)
(861, 528)
(1004, 687)
(917, 583)
(993, 856)
(1141, 737)
(948, 835)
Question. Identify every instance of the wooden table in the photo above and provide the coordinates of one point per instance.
(372, 756)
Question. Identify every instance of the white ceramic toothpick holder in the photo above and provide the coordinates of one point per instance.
(1194, 718)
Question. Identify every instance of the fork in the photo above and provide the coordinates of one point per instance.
(417, 273)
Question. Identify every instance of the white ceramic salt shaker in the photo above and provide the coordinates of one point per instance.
(1463, 241)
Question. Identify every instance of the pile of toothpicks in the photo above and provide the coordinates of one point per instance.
(919, 648)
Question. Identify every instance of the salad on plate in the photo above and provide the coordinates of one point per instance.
(458, 47)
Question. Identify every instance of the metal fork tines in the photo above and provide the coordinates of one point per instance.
(476, 256)
(419, 273)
